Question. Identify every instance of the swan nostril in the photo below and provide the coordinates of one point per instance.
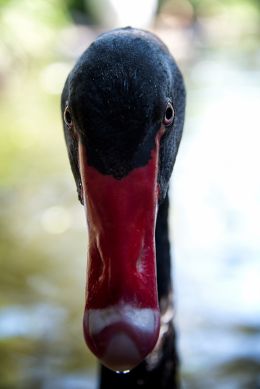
(139, 264)
(140, 260)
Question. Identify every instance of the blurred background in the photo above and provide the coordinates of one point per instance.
(215, 213)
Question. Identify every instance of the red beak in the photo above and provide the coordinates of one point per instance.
(122, 317)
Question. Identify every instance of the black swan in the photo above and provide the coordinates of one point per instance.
(123, 109)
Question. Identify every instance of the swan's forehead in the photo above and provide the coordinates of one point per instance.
(120, 81)
(118, 94)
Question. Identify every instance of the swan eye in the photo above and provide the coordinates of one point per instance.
(169, 115)
(67, 117)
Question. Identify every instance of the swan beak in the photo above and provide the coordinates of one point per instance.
(122, 318)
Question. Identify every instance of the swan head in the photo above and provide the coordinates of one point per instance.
(123, 111)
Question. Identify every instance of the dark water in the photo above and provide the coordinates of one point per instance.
(216, 248)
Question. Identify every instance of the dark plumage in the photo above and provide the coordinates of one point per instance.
(116, 98)
(119, 89)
